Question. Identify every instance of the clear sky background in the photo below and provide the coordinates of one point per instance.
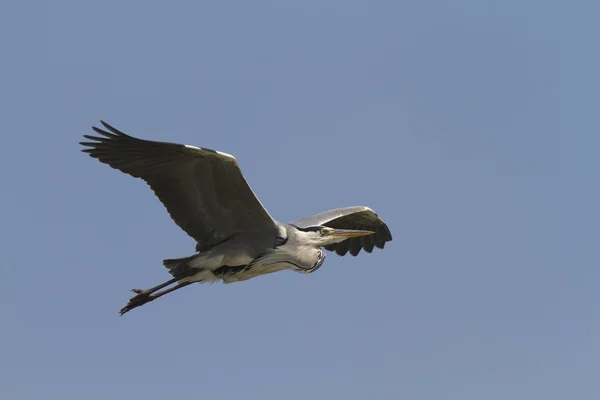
(471, 127)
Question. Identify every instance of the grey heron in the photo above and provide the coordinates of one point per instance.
(206, 194)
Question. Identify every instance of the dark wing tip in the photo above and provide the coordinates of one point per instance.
(106, 138)
(113, 130)
(364, 220)
(103, 133)
(354, 251)
(341, 251)
(101, 145)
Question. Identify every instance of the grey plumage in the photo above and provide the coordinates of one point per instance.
(203, 190)
(206, 194)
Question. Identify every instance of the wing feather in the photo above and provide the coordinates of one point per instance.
(203, 190)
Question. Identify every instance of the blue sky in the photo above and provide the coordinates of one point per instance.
(471, 127)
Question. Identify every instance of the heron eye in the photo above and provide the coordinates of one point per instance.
(323, 232)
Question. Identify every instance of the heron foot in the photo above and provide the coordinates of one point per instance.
(142, 297)
(145, 296)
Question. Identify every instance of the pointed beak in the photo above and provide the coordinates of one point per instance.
(349, 233)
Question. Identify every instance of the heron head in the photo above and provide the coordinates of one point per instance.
(324, 235)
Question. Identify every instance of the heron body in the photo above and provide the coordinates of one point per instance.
(206, 194)
(239, 259)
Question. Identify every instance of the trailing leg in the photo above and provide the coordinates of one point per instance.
(145, 296)
(155, 288)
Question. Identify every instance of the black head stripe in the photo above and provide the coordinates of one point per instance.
(310, 229)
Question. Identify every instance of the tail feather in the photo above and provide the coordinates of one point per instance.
(195, 268)
(178, 267)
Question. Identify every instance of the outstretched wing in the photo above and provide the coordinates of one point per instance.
(203, 190)
(362, 218)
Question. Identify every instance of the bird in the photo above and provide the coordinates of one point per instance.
(207, 196)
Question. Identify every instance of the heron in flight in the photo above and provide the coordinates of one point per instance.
(206, 194)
